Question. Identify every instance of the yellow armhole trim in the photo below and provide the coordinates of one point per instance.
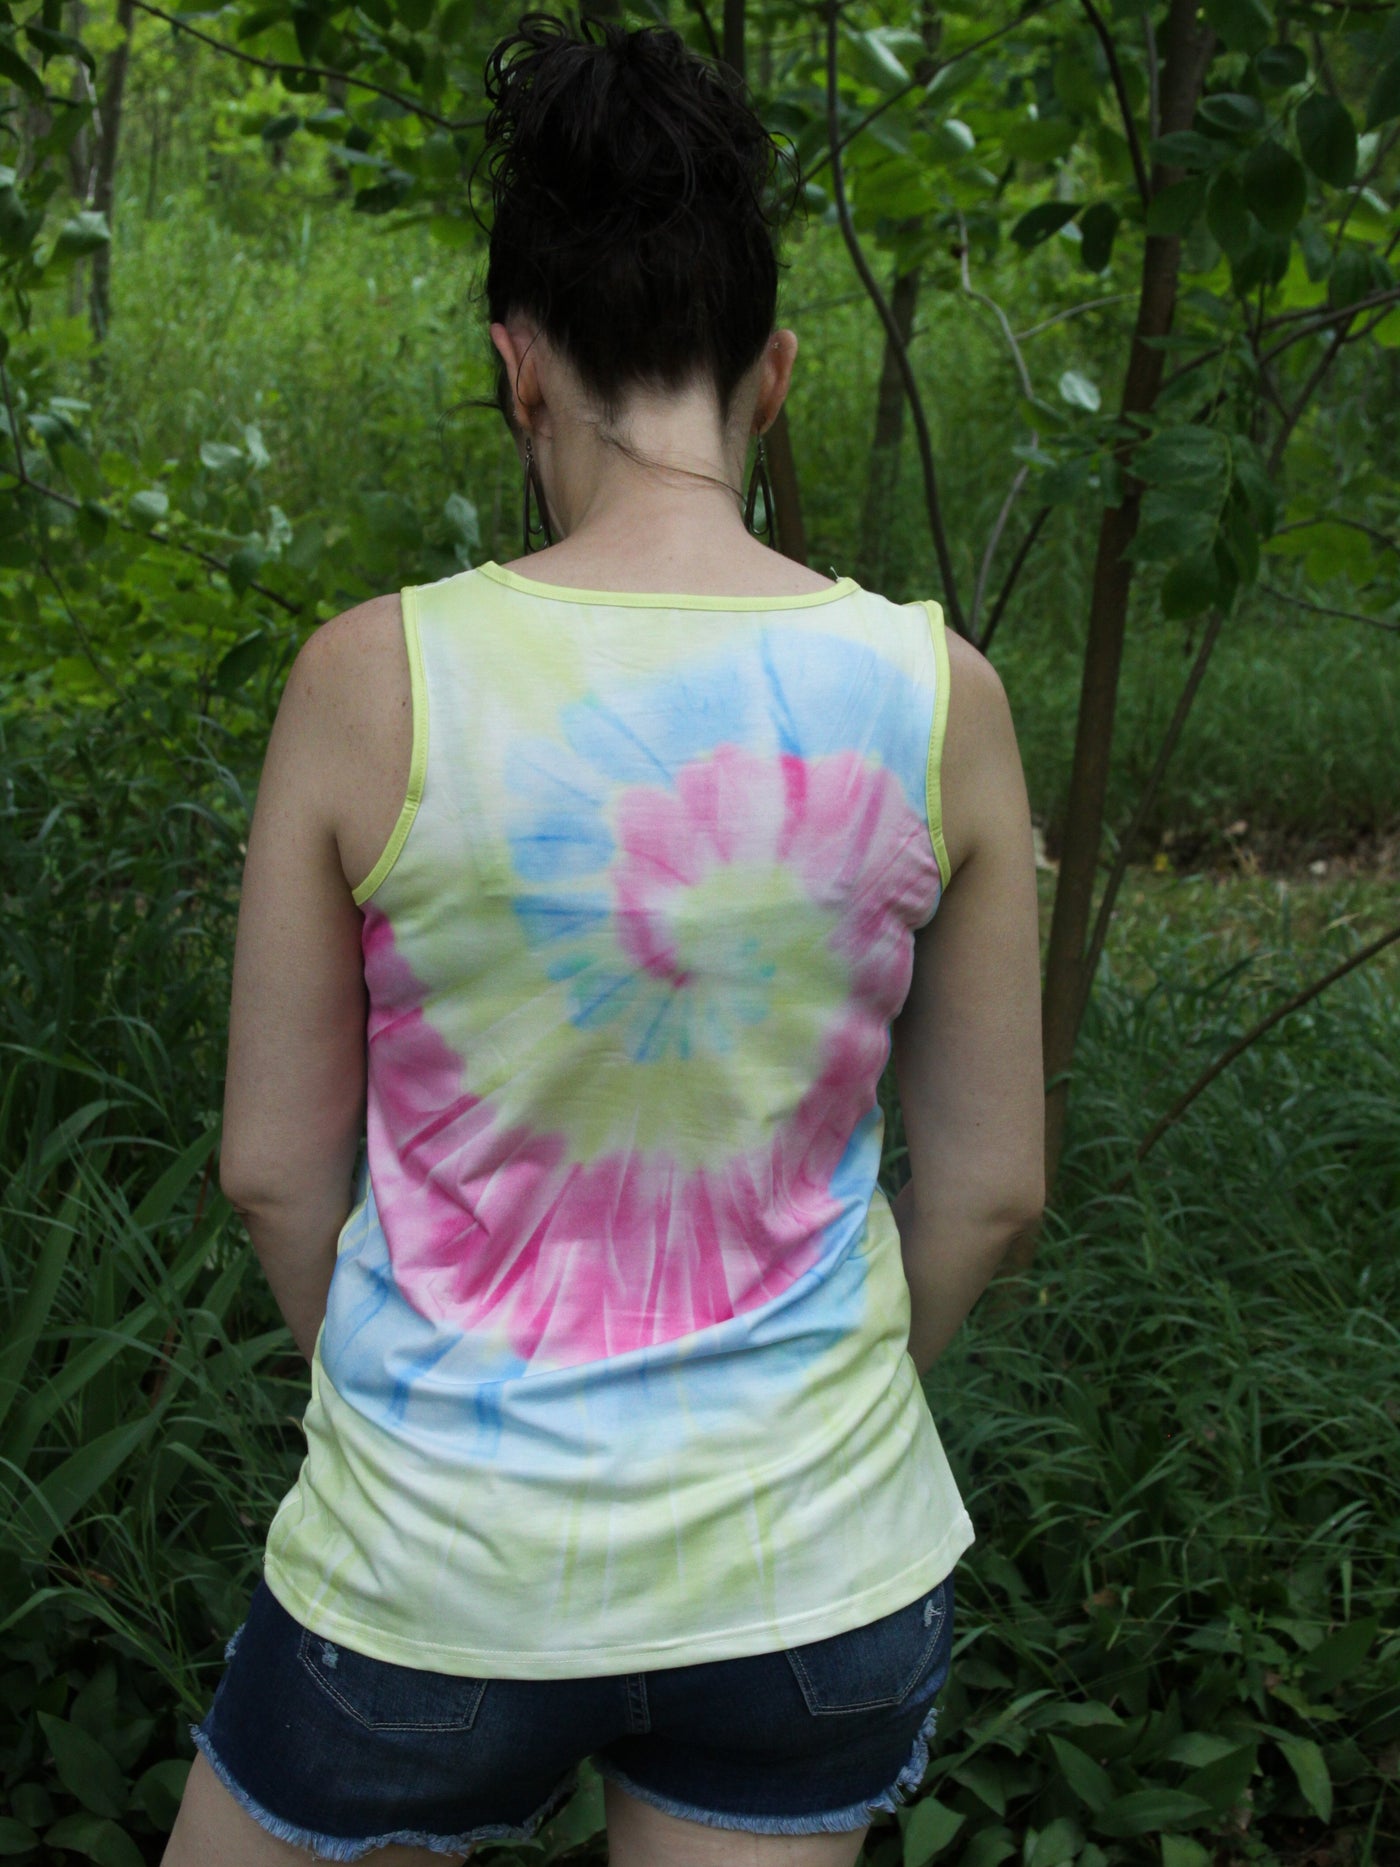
(418, 766)
(933, 790)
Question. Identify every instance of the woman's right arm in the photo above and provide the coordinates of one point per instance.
(966, 1044)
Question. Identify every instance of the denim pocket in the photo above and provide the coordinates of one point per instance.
(873, 1666)
(384, 1697)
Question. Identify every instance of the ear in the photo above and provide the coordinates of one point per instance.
(515, 345)
(779, 355)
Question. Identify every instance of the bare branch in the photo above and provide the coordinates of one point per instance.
(1145, 802)
(887, 318)
(1074, 311)
(282, 69)
(158, 538)
(1334, 518)
(1325, 609)
(707, 27)
(1321, 319)
(922, 84)
(1250, 1037)
(1009, 582)
(984, 569)
(1294, 414)
(1120, 90)
(1154, 78)
(1383, 149)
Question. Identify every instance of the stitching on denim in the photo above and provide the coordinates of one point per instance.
(638, 1708)
(343, 1848)
(808, 1685)
(369, 1724)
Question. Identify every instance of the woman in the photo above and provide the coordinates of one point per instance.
(592, 909)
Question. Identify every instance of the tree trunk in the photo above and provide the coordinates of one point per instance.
(105, 167)
(1187, 53)
(883, 476)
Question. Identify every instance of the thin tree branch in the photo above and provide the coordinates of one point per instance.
(887, 318)
(1322, 319)
(1017, 565)
(984, 569)
(1074, 311)
(1383, 149)
(1324, 609)
(922, 84)
(1190, 687)
(282, 69)
(1294, 414)
(1241, 1044)
(1120, 90)
(1333, 518)
(158, 538)
(1154, 77)
(707, 27)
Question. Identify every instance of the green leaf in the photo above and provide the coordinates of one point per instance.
(1077, 389)
(278, 129)
(1275, 187)
(928, 1830)
(1146, 1811)
(1040, 139)
(1281, 66)
(13, 67)
(1232, 112)
(1385, 96)
(1188, 588)
(1076, 83)
(16, 1837)
(158, 1790)
(1336, 1660)
(1089, 1780)
(83, 234)
(876, 63)
(988, 1847)
(1056, 1844)
(1310, 1767)
(1327, 139)
(98, 1840)
(1223, 1780)
(1098, 226)
(1181, 1851)
(1244, 25)
(57, 1500)
(219, 455)
(58, 44)
(85, 1768)
(1041, 221)
(1226, 214)
(150, 505)
(244, 565)
(1173, 210)
(241, 662)
(1188, 149)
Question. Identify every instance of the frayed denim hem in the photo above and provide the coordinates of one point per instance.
(346, 1848)
(829, 1822)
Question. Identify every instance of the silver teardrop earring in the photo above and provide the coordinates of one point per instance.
(532, 485)
(760, 483)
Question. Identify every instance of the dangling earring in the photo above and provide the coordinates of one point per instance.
(532, 484)
(760, 483)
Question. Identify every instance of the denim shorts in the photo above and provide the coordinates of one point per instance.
(340, 1753)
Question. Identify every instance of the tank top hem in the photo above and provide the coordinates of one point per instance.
(851, 1611)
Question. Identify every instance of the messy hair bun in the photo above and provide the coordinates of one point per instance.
(636, 203)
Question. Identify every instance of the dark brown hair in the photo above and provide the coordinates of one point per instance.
(636, 202)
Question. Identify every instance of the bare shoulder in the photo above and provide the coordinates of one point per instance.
(982, 780)
(345, 662)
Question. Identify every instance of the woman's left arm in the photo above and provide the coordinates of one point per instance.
(295, 1090)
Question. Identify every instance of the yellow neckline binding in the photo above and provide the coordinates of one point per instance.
(638, 599)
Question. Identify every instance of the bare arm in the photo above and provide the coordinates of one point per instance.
(966, 1045)
(294, 1095)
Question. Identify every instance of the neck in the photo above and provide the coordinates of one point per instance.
(666, 475)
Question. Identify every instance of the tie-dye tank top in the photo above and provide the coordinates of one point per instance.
(614, 1373)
